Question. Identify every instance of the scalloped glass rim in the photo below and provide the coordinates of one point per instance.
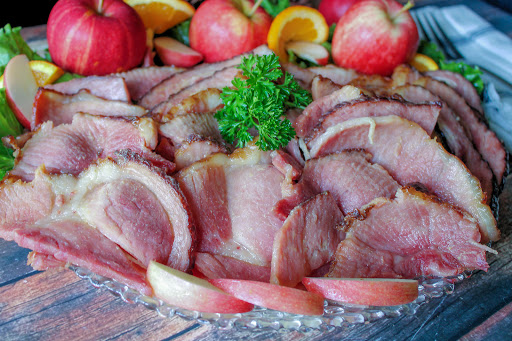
(335, 314)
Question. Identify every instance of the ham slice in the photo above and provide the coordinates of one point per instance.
(216, 266)
(232, 199)
(59, 108)
(140, 81)
(71, 148)
(406, 151)
(196, 149)
(307, 241)
(335, 73)
(412, 235)
(112, 88)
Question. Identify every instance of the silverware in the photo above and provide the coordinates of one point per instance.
(429, 29)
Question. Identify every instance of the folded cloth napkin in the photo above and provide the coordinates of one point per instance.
(498, 111)
(477, 40)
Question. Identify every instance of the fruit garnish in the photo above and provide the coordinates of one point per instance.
(296, 23)
(44, 72)
(258, 101)
(423, 63)
(161, 15)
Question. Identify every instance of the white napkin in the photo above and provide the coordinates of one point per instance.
(498, 111)
(477, 40)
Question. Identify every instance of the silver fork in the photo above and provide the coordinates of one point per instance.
(429, 29)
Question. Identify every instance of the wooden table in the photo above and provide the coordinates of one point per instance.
(58, 305)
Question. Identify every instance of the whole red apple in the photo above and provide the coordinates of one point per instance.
(95, 37)
(333, 10)
(375, 36)
(222, 29)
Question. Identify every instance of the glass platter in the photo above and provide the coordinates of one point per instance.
(496, 94)
(335, 314)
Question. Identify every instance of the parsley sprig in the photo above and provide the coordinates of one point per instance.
(257, 102)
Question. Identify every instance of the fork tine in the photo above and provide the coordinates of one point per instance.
(445, 43)
(421, 33)
(427, 30)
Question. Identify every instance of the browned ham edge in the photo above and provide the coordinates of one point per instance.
(411, 156)
(413, 235)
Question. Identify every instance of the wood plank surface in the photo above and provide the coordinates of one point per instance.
(58, 305)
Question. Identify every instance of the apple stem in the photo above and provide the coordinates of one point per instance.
(405, 8)
(100, 6)
(254, 8)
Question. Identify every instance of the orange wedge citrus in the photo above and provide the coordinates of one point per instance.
(44, 72)
(160, 15)
(296, 23)
(423, 63)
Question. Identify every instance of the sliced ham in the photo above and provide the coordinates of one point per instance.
(196, 149)
(322, 86)
(335, 73)
(216, 266)
(71, 148)
(312, 114)
(410, 236)
(406, 151)
(182, 80)
(219, 80)
(181, 128)
(303, 76)
(461, 85)
(307, 241)
(350, 177)
(140, 81)
(425, 114)
(232, 199)
(59, 108)
(112, 88)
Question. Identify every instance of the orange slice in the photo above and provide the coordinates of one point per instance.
(296, 23)
(423, 63)
(161, 15)
(44, 72)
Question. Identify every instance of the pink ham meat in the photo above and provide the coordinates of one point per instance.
(335, 73)
(71, 148)
(196, 149)
(307, 241)
(410, 236)
(425, 114)
(219, 80)
(321, 86)
(312, 114)
(350, 177)
(410, 156)
(113, 219)
(202, 102)
(59, 108)
(140, 81)
(216, 266)
(172, 85)
(112, 88)
(231, 198)
(461, 85)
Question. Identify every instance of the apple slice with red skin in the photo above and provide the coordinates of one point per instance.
(312, 52)
(364, 291)
(20, 88)
(172, 52)
(273, 296)
(183, 290)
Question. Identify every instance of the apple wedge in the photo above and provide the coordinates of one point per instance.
(20, 88)
(172, 52)
(182, 290)
(273, 296)
(309, 51)
(364, 291)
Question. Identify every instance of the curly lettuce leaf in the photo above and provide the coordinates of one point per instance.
(12, 44)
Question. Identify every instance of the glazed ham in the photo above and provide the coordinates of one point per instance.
(112, 88)
(71, 148)
(410, 236)
(140, 81)
(59, 108)
(397, 145)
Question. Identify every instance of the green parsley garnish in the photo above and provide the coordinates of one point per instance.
(471, 73)
(274, 7)
(258, 101)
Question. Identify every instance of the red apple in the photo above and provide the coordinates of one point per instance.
(364, 291)
(375, 36)
(273, 296)
(182, 290)
(87, 39)
(333, 10)
(312, 52)
(222, 29)
(20, 88)
(172, 52)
